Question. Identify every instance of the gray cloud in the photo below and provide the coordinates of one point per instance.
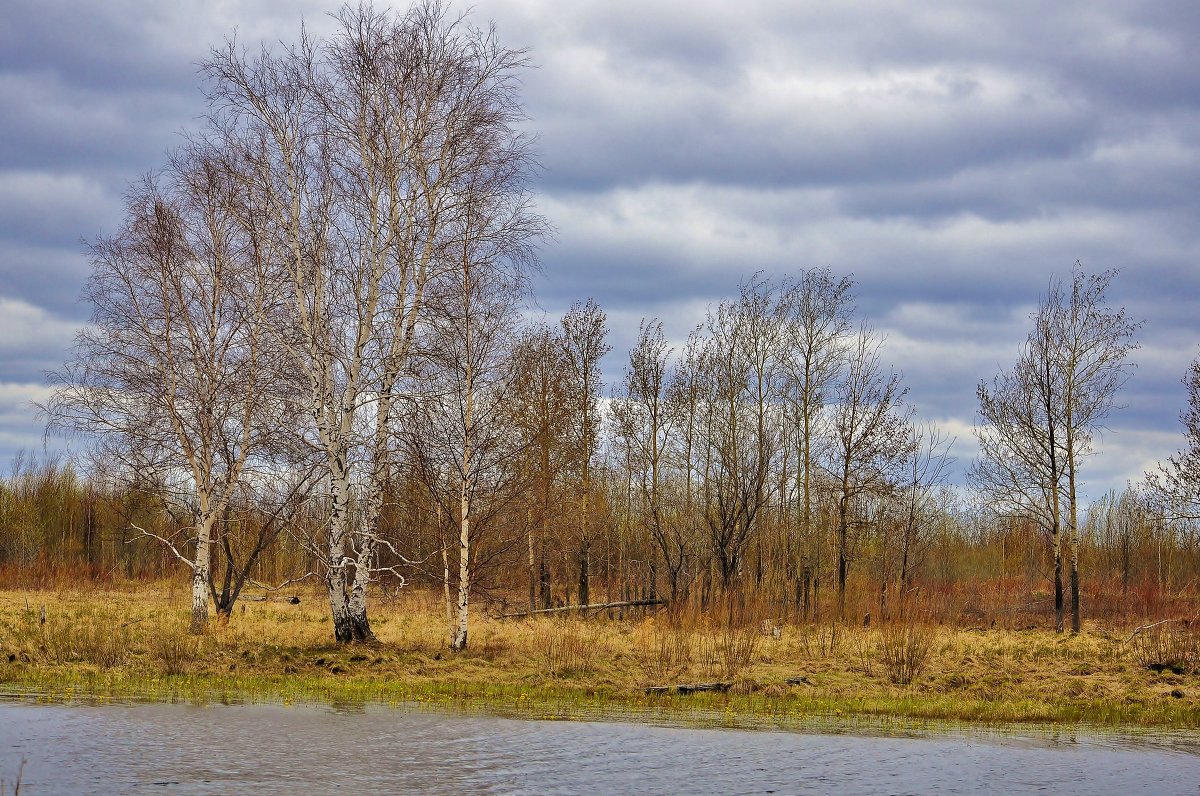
(950, 156)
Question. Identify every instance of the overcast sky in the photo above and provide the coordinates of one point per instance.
(951, 157)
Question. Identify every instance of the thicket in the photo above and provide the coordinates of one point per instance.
(58, 530)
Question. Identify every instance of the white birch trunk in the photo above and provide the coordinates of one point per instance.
(339, 492)
(200, 571)
(459, 642)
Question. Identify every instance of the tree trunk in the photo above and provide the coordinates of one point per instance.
(584, 571)
(459, 641)
(1076, 620)
(843, 554)
(1058, 582)
(200, 572)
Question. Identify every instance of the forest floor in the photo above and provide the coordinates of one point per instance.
(130, 643)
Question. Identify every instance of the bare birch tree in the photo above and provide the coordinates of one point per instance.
(925, 469)
(1020, 469)
(173, 364)
(644, 420)
(1091, 344)
(741, 430)
(541, 410)
(816, 311)
(357, 146)
(468, 347)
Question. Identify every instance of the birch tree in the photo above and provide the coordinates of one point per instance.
(644, 420)
(542, 412)
(172, 367)
(1020, 469)
(739, 431)
(468, 346)
(1092, 342)
(816, 311)
(357, 146)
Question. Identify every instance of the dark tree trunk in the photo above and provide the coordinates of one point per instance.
(585, 564)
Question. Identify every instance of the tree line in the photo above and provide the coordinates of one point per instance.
(308, 359)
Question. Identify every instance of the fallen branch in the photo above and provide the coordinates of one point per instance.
(1137, 630)
(292, 600)
(688, 688)
(590, 607)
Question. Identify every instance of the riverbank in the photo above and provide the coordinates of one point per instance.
(131, 643)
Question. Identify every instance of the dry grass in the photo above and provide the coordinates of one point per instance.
(135, 635)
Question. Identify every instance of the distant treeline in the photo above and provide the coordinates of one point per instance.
(58, 530)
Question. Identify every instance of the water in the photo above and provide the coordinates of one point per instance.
(268, 749)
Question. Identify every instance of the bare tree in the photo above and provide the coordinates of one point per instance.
(583, 336)
(540, 409)
(870, 439)
(644, 420)
(816, 312)
(1174, 487)
(172, 367)
(359, 147)
(925, 470)
(1020, 469)
(741, 430)
(1092, 343)
(469, 375)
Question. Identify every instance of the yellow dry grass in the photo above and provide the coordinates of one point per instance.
(132, 640)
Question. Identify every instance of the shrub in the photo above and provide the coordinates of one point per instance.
(1168, 646)
(174, 649)
(904, 650)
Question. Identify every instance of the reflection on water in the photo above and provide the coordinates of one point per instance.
(367, 748)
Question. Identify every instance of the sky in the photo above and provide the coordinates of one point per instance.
(951, 157)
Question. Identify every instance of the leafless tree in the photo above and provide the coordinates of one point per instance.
(645, 422)
(584, 345)
(1174, 487)
(172, 368)
(870, 440)
(740, 430)
(468, 376)
(358, 147)
(1092, 342)
(1021, 467)
(540, 409)
(925, 469)
(816, 310)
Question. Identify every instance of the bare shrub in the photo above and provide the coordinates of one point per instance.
(904, 649)
(736, 645)
(1168, 646)
(174, 650)
(665, 653)
(822, 640)
(862, 644)
(563, 649)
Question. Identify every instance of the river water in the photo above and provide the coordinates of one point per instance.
(268, 749)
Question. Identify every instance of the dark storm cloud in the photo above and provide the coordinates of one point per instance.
(952, 156)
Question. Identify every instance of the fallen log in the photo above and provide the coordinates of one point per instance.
(801, 680)
(292, 600)
(688, 688)
(589, 607)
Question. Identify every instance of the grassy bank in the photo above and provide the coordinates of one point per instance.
(130, 643)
